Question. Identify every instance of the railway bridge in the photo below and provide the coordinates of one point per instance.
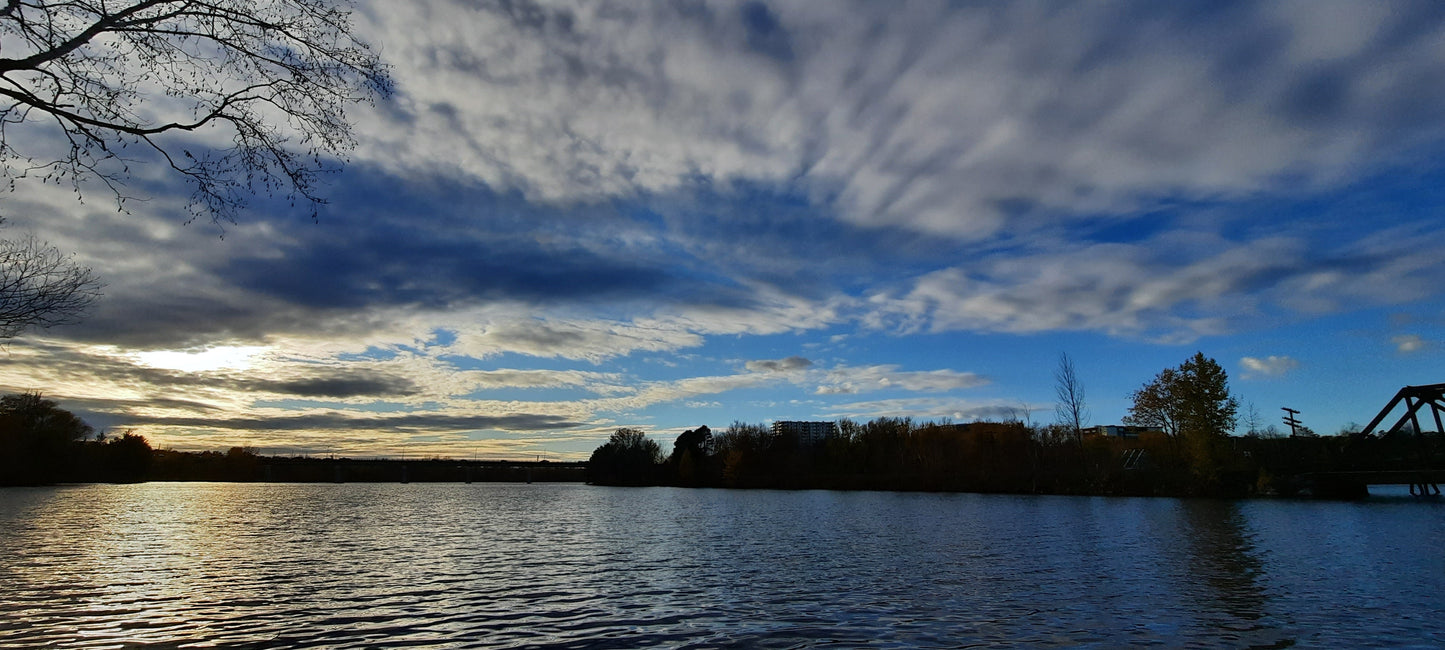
(1421, 469)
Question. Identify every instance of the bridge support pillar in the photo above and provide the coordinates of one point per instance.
(1423, 489)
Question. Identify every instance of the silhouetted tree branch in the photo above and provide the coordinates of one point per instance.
(1069, 407)
(40, 286)
(94, 77)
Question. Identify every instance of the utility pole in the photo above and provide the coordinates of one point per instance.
(1290, 419)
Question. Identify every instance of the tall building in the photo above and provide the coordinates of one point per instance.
(808, 433)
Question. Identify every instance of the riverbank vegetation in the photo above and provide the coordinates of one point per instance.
(43, 444)
(1012, 457)
(1179, 446)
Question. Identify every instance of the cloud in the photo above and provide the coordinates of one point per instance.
(1408, 343)
(336, 421)
(952, 119)
(681, 390)
(340, 386)
(1270, 366)
(926, 408)
(596, 382)
(570, 338)
(565, 196)
(1174, 286)
(779, 365)
(1124, 289)
(845, 380)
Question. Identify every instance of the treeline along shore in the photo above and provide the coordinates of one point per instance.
(42, 444)
(129, 459)
(239, 464)
(1009, 457)
(1176, 442)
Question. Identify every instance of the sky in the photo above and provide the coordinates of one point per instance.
(573, 217)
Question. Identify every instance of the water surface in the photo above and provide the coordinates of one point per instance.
(575, 566)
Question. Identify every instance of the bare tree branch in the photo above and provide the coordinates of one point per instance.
(1069, 407)
(40, 286)
(276, 75)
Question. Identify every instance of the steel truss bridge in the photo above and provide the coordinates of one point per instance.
(1423, 476)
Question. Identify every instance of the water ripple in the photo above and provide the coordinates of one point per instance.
(571, 566)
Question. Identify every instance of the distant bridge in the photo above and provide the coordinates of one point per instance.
(1414, 398)
(1425, 477)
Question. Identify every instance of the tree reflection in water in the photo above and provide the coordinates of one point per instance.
(1226, 575)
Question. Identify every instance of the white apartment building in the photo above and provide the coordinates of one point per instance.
(808, 433)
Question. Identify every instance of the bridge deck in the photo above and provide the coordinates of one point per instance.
(1385, 477)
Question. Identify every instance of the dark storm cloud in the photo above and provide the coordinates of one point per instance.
(345, 385)
(779, 365)
(387, 242)
(390, 268)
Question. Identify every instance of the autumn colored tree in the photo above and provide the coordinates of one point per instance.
(1193, 397)
(1154, 404)
(1191, 404)
(1203, 390)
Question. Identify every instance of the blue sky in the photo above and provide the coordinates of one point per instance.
(574, 217)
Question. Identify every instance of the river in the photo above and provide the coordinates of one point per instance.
(573, 566)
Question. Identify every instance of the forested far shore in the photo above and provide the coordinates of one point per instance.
(42, 444)
(1175, 442)
(129, 459)
(1007, 457)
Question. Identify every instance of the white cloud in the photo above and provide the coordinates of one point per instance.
(941, 119)
(665, 392)
(845, 380)
(930, 408)
(237, 357)
(1270, 366)
(1407, 343)
(569, 338)
(1174, 287)
(1120, 289)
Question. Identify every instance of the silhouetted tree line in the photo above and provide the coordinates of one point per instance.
(243, 464)
(1010, 457)
(1187, 450)
(41, 443)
